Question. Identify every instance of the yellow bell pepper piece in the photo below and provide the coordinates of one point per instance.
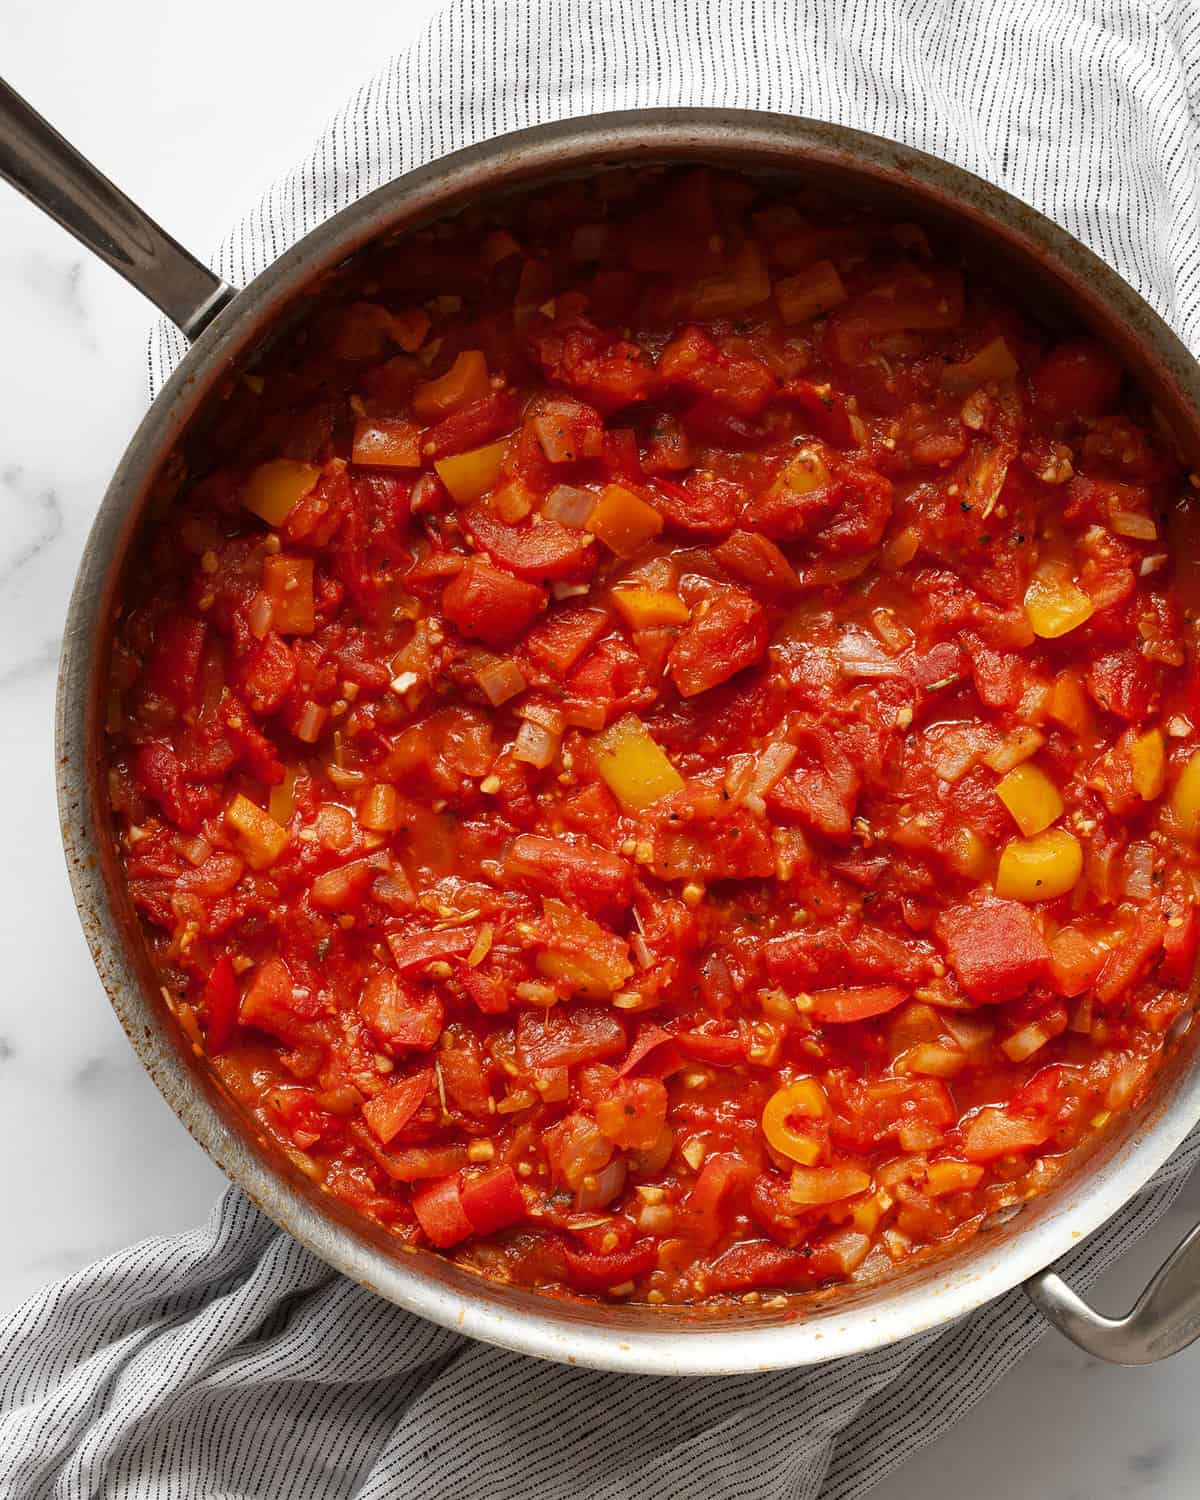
(1185, 798)
(1148, 758)
(968, 854)
(993, 362)
(633, 765)
(288, 583)
(1031, 797)
(259, 836)
(745, 284)
(1054, 605)
(810, 293)
(623, 522)
(1040, 868)
(804, 1097)
(282, 802)
(580, 954)
(814, 1185)
(468, 476)
(642, 609)
(951, 1177)
(865, 1215)
(465, 381)
(806, 472)
(274, 489)
(386, 443)
(1069, 705)
(379, 811)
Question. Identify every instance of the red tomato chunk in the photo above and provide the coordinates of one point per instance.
(656, 743)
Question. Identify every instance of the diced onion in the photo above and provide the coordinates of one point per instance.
(860, 655)
(893, 635)
(545, 714)
(536, 746)
(483, 945)
(971, 1034)
(533, 992)
(500, 680)
(1133, 524)
(196, 850)
(262, 615)
(1013, 749)
(954, 749)
(1124, 1084)
(656, 1218)
(737, 780)
(312, 721)
(1081, 1016)
(564, 590)
(585, 715)
(850, 1248)
(345, 780)
(556, 437)
(599, 1188)
(1024, 1043)
(1139, 871)
(751, 777)
(569, 505)
(654, 1158)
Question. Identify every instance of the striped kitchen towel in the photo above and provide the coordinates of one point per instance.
(231, 1362)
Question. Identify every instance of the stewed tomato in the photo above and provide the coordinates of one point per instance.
(656, 741)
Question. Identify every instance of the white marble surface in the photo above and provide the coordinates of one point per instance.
(196, 128)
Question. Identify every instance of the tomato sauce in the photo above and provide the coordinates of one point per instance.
(656, 746)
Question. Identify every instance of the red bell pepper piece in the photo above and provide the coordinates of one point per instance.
(856, 1002)
(595, 1271)
(1178, 963)
(220, 1006)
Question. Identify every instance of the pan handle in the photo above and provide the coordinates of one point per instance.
(38, 162)
(1163, 1320)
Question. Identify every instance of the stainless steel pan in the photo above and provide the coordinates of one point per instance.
(1042, 264)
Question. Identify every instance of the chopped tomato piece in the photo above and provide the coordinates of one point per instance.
(1178, 964)
(553, 646)
(388, 1113)
(487, 604)
(174, 669)
(996, 948)
(540, 551)
(563, 1038)
(1079, 378)
(600, 882)
(730, 636)
(440, 1212)
(758, 1263)
(416, 951)
(493, 1201)
(595, 1271)
(994, 1132)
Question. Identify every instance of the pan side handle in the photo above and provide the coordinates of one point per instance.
(1163, 1320)
(47, 169)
